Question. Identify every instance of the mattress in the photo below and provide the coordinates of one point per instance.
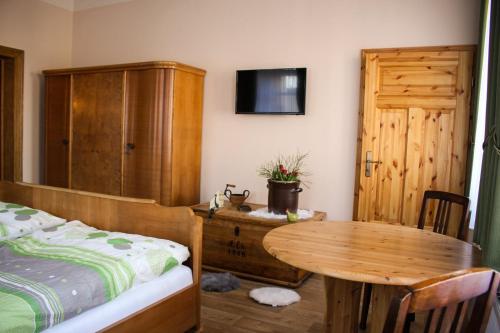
(127, 303)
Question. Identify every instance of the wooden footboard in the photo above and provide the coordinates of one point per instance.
(176, 313)
(172, 314)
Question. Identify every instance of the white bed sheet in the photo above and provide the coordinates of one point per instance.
(127, 303)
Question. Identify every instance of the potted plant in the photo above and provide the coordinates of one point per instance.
(284, 176)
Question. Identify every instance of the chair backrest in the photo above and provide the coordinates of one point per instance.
(443, 212)
(447, 298)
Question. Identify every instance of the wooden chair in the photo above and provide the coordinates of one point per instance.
(441, 223)
(447, 298)
(442, 216)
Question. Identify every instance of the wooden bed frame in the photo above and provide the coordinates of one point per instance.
(179, 312)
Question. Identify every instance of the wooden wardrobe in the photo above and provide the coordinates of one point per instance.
(132, 130)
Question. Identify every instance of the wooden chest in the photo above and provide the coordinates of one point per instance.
(232, 241)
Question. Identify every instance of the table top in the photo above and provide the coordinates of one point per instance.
(231, 213)
(369, 252)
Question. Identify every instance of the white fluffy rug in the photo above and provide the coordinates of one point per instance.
(274, 296)
(262, 212)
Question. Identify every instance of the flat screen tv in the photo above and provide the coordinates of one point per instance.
(271, 91)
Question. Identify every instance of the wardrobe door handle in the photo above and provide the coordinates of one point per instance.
(129, 147)
(65, 142)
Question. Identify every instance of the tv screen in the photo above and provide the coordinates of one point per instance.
(271, 91)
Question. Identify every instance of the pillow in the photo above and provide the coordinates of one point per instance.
(18, 220)
(147, 257)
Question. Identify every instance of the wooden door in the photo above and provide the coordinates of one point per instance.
(1, 105)
(11, 112)
(7, 69)
(57, 107)
(143, 133)
(97, 141)
(413, 134)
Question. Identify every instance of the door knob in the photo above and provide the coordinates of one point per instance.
(369, 162)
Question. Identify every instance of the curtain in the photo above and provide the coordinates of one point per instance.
(475, 94)
(487, 231)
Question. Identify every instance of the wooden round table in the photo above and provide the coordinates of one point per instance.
(350, 253)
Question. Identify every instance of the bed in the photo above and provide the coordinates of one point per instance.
(156, 307)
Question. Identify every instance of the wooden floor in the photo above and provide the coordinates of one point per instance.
(235, 312)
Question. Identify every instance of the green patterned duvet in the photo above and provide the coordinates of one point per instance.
(55, 274)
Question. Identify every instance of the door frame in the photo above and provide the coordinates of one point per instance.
(18, 57)
(359, 138)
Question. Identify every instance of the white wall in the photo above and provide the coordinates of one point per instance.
(44, 32)
(224, 35)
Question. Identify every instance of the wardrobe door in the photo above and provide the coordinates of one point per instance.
(185, 139)
(57, 106)
(143, 133)
(96, 156)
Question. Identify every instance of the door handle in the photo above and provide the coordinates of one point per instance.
(129, 147)
(369, 162)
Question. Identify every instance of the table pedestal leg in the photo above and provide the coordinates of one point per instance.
(342, 305)
(381, 300)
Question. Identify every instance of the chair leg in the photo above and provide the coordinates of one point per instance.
(365, 305)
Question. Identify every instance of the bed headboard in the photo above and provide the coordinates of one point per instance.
(130, 215)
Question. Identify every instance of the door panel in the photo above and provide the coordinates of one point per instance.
(143, 138)
(414, 118)
(96, 158)
(416, 81)
(7, 119)
(428, 163)
(419, 78)
(57, 106)
(391, 150)
(414, 164)
(1, 106)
